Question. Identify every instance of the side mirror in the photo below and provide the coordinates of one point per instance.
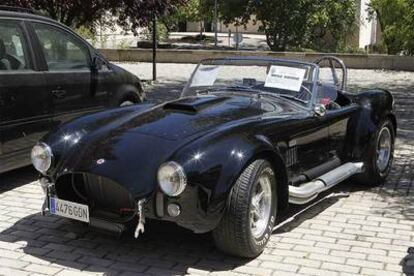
(320, 110)
(97, 63)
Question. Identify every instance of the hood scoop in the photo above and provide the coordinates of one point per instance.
(193, 104)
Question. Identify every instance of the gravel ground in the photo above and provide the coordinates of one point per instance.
(357, 231)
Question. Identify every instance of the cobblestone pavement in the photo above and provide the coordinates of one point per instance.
(358, 230)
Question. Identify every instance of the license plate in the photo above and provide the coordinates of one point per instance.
(69, 209)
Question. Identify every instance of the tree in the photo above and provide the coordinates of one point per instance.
(331, 23)
(285, 22)
(76, 13)
(296, 23)
(409, 28)
(237, 12)
(137, 13)
(191, 10)
(396, 21)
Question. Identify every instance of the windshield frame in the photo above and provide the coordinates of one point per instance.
(259, 61)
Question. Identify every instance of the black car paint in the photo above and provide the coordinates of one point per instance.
(214, 138)
(28, 106)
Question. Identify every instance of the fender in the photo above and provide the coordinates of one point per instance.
(66, 138)
(376, 105)
(214, 168)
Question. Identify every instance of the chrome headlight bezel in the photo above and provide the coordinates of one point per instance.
(172, 179)
(42, 157)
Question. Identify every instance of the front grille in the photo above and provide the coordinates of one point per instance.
(105, 198)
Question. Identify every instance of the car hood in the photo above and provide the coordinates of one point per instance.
(130, 148)
(185, 117)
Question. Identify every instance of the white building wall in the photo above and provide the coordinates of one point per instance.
(368, 29)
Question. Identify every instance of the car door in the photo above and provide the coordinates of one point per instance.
(339, 120)
(68, 72)
(308, 143)
(25, 105)
(332, 80)
(303, 140)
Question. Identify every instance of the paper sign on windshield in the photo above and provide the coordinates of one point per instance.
(287, 78)
(205, 76)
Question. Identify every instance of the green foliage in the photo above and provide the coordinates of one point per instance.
(293, 24)
(192, 10)
(396, 18)
(130, 14)
(87, 34)
(285, 22)
(331, 23)
(236, 12)
(162, 32)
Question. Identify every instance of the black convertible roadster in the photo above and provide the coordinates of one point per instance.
(247, 137)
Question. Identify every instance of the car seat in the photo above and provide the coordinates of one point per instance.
(4, 62)
(327, 95)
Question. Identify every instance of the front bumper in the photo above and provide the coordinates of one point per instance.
(193, 209)
(116, 228)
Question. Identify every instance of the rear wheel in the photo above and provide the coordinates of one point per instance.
(250, 214)
(378, 165)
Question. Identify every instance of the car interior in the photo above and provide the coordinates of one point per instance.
(7, 60)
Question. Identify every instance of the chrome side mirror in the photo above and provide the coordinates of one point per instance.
(320, 110)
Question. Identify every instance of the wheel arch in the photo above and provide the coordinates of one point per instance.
(393, 120)
(376, 105)
(128, 92)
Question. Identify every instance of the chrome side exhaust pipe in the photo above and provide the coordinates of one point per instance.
(309, 191)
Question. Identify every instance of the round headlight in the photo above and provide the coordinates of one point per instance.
(172, 179)
(42, 157)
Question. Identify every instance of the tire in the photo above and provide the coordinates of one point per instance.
(235, 235)
(376, 172)
(128, 98)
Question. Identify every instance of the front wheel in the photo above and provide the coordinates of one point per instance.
(250, 215)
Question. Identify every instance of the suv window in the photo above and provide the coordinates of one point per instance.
(62, 50)
(13, 54)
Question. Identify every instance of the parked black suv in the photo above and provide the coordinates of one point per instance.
(48, 75)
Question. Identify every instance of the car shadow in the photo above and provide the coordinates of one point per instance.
(164, 249)
(13, 179)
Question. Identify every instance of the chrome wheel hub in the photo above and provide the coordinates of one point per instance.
(384, 148)
(260, 206)
(126, 103)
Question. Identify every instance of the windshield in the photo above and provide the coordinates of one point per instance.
(286, 79)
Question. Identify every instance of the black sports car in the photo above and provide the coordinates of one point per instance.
(248, 137)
